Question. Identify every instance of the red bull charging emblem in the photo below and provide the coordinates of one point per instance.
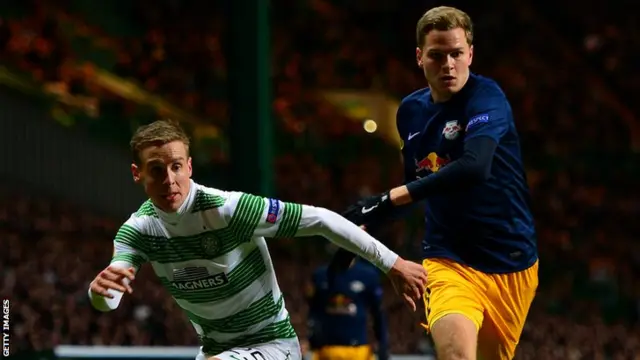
(432, 162)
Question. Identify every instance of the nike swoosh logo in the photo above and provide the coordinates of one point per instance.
(411, 136)
(366, 210)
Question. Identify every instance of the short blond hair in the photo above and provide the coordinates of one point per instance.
(443, 18)
(159, 132)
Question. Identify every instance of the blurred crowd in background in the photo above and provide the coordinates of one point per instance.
(568, 73)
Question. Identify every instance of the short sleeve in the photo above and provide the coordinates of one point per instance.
(487, 115)
(401, 119)
(401, 123)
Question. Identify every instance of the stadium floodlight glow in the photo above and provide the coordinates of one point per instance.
(370, 126)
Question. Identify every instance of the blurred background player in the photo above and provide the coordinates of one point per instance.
(462, 156)
(338, 314)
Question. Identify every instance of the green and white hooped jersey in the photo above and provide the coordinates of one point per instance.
(213, 259)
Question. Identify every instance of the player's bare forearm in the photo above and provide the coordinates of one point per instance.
(400, 196)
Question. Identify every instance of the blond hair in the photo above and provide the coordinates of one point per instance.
(159, 132)
(443, 18)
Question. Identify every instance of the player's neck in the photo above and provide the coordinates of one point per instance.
(438, 98)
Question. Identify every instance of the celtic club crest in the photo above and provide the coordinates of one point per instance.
(210, 244)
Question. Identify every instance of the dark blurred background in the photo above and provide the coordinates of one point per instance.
(78, 76)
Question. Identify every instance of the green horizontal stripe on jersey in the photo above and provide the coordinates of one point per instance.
(250, 269)
(257, 312)
(290, 220)
(278, 330)
(147, 209)
(204, 201)
(204, 246)
(133, 259)
(129, 236)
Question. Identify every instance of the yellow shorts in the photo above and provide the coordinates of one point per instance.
(363, 352)
(496, 303)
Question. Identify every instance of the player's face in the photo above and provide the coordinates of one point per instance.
(165, 173)
(445, 59)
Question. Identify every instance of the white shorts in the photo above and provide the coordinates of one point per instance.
(285, 349)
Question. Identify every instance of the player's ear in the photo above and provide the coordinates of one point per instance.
(470, 55)
(189, 166)
(135, 171)
(419, 56)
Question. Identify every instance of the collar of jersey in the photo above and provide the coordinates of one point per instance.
(173, 218)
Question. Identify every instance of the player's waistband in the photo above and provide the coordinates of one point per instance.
(488, 267)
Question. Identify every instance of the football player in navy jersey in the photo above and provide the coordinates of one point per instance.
(338, 313)
(462, 159)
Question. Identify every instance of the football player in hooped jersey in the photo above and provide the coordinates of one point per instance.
(462, 158)
(208, 248)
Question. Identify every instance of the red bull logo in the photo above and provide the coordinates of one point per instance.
(341, 305)
(340, 300)
(432, 162)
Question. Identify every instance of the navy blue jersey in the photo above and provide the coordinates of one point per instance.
(338, 312)
(487, 225)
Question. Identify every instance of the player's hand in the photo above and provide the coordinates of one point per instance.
(113, 278)
(410, 280)
(370, 210)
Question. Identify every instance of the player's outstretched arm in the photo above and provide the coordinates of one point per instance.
(375, 211)
(259, 216)
(487, 123)
(273, 218)
(107, 288)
